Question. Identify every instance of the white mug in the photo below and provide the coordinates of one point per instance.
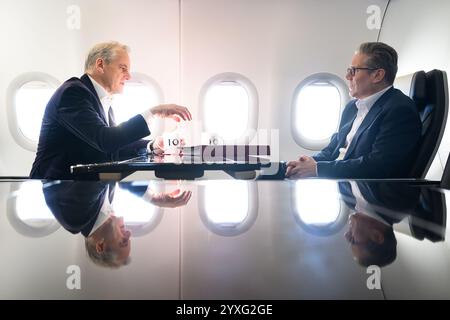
(211, 139)
(172, 143)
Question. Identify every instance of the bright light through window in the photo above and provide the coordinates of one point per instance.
(226, 202)
(31, 206)
(136, 98)
(31, 100)
(132, 208)
(317, 201)
(226, 110)
(318, 103)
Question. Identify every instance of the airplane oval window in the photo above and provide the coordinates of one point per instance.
(28, 212)
(225, 217)
(229, 105)
(140, 93)
(318, 206)
(316, 109)
(28, 96)
(140, 216)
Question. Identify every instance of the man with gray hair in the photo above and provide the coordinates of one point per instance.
(78, 126)
(379, 130)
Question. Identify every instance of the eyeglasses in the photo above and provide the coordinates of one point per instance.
(352, 70)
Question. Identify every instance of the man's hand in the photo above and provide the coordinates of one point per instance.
(158, 146)
(303, 168)
(173, 111)
(170, 200)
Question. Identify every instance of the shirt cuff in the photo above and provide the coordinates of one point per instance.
(148, 117)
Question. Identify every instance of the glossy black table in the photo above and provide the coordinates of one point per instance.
(184, 167)
(230, 239)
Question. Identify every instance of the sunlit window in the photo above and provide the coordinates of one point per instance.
(31, 207)
(226, 202)
(229, 108)
(316, 108)
(133, 208)
(318, 103)
(30, 102)
(137, 97)
(317, 202)
(226, 110)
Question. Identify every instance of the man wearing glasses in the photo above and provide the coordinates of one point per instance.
(379, 129)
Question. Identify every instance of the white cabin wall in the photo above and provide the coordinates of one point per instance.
(35, 38)
(275, 44)
(419, 31)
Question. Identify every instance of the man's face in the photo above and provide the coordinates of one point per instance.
(361, 84)
(358, 234)
(119, 239)
(117, 72)
(363, 231)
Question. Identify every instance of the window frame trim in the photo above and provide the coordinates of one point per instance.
(242, 227)
(253, 103)
(11, 108)
(341, 86)
(324, 230)
(20, 226)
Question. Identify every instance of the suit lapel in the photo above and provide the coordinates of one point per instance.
(348, 126)
(87, 82)
(368, 120)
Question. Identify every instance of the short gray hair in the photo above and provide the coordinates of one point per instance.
(382, 56)
(106, 51)
(107, 259)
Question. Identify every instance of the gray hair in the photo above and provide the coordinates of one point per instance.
(107, 259)
(381, 56)
(106, 51)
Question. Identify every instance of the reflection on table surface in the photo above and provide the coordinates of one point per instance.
(224, 239)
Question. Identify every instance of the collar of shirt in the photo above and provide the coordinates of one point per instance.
(363, 206)
(106, 211)
(105, 98)
(369, 101)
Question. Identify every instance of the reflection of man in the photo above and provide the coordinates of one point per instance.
(79, 126)
(372, 241)
(377, 206)
(86, 208)
(379, 129)
(82, 207)
(370, 233)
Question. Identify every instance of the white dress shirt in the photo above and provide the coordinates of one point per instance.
(363, 206)
(106, 211)
(363, 106)
(107, 99)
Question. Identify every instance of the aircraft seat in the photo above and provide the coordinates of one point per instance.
(430, 93)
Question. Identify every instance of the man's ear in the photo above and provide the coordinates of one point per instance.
(100, 245)
(378, 75)
(99, 65)
(377, 236)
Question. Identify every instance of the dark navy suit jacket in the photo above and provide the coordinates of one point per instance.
(391, 200)
(395, 200)
(75, 131)
(76, 204)
(383, 146)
